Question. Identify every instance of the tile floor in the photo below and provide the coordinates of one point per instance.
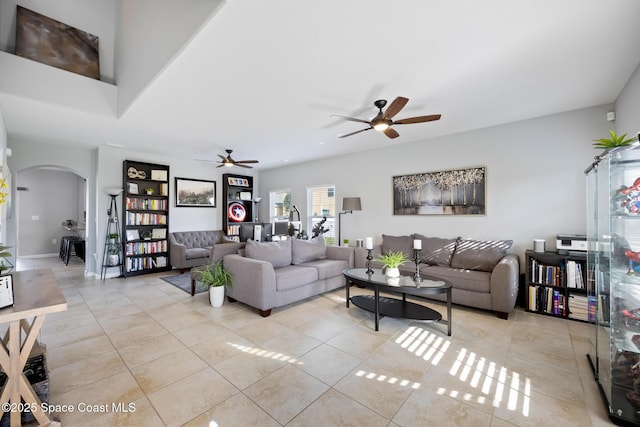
(171, 360)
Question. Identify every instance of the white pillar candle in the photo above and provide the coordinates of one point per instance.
(369, 243)
(417, 244)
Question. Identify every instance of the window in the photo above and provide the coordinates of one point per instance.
(321, 203)
(279, 205)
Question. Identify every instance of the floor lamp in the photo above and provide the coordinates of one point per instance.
(349, 204)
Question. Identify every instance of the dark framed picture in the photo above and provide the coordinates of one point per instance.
(195, 193)
(446, 192)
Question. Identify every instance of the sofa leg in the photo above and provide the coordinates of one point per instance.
(502, 315)
(182, 270)
(231, 299)
(265, 313)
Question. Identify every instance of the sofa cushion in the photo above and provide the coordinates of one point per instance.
(436, 251)
(198, 239)
(398, 243)
(482, 255)
(197, 253)
(328, 268)
(294, 276)
(308, 250)
(470, 280)
(276, 253)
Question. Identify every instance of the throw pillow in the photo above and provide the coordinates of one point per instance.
(436, 251)
(308, 250)
(277, 253)
(482, 255)
(398, 243)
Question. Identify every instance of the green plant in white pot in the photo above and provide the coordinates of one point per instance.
(614, 141)
(391, 261)
(216, 277)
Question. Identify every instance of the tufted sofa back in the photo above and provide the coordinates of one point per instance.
(198, 239)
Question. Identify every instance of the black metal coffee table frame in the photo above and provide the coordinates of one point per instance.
(393, 307)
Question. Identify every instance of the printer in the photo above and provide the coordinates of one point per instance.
(566, 243)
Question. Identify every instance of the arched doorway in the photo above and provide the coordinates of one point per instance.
(51, 204)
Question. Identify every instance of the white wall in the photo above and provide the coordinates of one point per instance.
(150, 34)
(628, 107)
(535, 180)
(49, 198)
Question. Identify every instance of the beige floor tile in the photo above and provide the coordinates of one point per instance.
(336, 409)
(182, 320)
(358, 341)
(328, 364)
(104, 314)
(426, 407)
(138, 414)
(185, 399)
(265, 330)
(120, 388)
(73, 375)
(217, 349)
(73, 335)
(286, 392)
(80, 350)
(324, 330)
(200, 332)
(126, 322)
(146, 350)
(251, 365)
(377, 388)
(166, 370)
(238, 410)
(291, 344)
(143, 331)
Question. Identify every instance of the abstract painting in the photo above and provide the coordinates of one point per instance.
(447, 192)
(51, 42)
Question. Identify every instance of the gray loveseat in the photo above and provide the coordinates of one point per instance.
(483, 275)
(192, 248)
(273, 274)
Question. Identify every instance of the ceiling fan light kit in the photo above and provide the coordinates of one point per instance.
(383, 122)
(228, 161)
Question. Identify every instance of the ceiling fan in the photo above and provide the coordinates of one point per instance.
(228, 161)
(382, 121)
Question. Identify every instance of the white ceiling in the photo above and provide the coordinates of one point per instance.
(263, 78)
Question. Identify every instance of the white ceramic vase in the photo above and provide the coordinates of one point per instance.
(392, 272)
(216, 295)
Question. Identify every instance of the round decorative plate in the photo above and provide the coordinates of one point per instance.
(142, 175)
(132, 172)
(236, 212)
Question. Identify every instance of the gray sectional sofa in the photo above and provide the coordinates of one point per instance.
(482, 273)
(273, 274)
(192, 248)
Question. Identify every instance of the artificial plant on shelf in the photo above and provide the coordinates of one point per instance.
(614, 141)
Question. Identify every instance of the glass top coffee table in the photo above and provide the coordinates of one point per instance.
(393, 307)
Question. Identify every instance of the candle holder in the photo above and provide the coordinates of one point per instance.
(416, 259)
(369, 258)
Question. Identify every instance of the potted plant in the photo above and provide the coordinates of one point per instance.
(5, 265)
(113, 238)
(391, 261)
(216, 277)
(113, 257)
(614, 141)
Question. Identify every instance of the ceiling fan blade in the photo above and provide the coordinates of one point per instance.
(243, 166)
(353, 119)
(419, 119)
(222, 157)
(246, 161)
(391, 133)
(353, 133)
(395, 107)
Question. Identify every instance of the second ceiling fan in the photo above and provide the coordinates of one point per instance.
(383, 120)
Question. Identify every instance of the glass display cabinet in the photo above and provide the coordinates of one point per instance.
(613, 278)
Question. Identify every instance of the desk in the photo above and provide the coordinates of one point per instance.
(35, 293)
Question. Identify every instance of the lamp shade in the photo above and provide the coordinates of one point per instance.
(351, 204)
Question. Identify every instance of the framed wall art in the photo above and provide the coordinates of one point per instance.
(446, 192)
(195, 193)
